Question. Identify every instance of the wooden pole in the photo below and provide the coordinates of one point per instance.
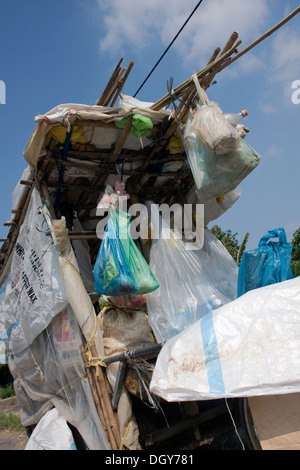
(120, 88)
(164, 101)
(265, 35)
(103, 97)
(111, 418)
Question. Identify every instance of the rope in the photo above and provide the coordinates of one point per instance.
(93, 362)
(234, 425)
(124, 437)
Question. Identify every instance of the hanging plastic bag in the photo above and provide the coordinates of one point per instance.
(210, 125)
(192, 282)
(143, 276)
(214, 208)
(112, 273)
(140, 124)
(215, 175)
(109, 199)
(268, 264)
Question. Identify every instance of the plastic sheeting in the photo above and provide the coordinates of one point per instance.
(246, 348)
(41, 331)
(51, 433)
(66, 114)
(50, 372)
(35, 294)
(191, 282)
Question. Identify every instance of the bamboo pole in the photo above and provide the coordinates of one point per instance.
(122, 83)
(103, 97)
(113, 87)
(206, 81)
(93, 388)
(265, 35)
(165, 100)
(110, 416)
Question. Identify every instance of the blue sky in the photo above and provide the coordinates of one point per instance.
(65, 51)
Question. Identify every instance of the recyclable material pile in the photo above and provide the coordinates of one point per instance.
(108, 254)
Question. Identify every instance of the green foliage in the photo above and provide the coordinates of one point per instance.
(230, 242)
(7, 391)
(242, 248)
(10, 421)
(295, 263)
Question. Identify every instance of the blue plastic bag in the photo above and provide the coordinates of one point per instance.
(111, 270)
(268, 264)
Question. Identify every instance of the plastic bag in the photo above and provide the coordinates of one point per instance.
(192, 282)
(112, 272)
(268, 264)
(124, 330)
(143, 276)
(109, 199)
(247, 347)
(51, 433)
(215, 175)
(140, 124)
(210, 125)
(214, 208)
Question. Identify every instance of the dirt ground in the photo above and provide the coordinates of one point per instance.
(10, 439)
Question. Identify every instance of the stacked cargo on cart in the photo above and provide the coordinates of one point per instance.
(120, 320)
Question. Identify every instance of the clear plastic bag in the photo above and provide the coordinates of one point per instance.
(215, 175)
(210, 125)
(192, 282)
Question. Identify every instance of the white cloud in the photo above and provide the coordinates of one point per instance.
(267, 108)
(137, 25)
(285, 59)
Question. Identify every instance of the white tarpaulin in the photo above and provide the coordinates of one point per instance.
(245, 348)
(66, 114)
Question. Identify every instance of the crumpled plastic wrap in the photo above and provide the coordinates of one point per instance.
(248, 347)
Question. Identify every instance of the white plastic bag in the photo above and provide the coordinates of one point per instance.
(210, 125)
(248, 347)
(192, 282)
(216, 207)
(51, 433)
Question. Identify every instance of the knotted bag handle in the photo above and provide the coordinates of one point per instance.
(279, 232)
(201, 93)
